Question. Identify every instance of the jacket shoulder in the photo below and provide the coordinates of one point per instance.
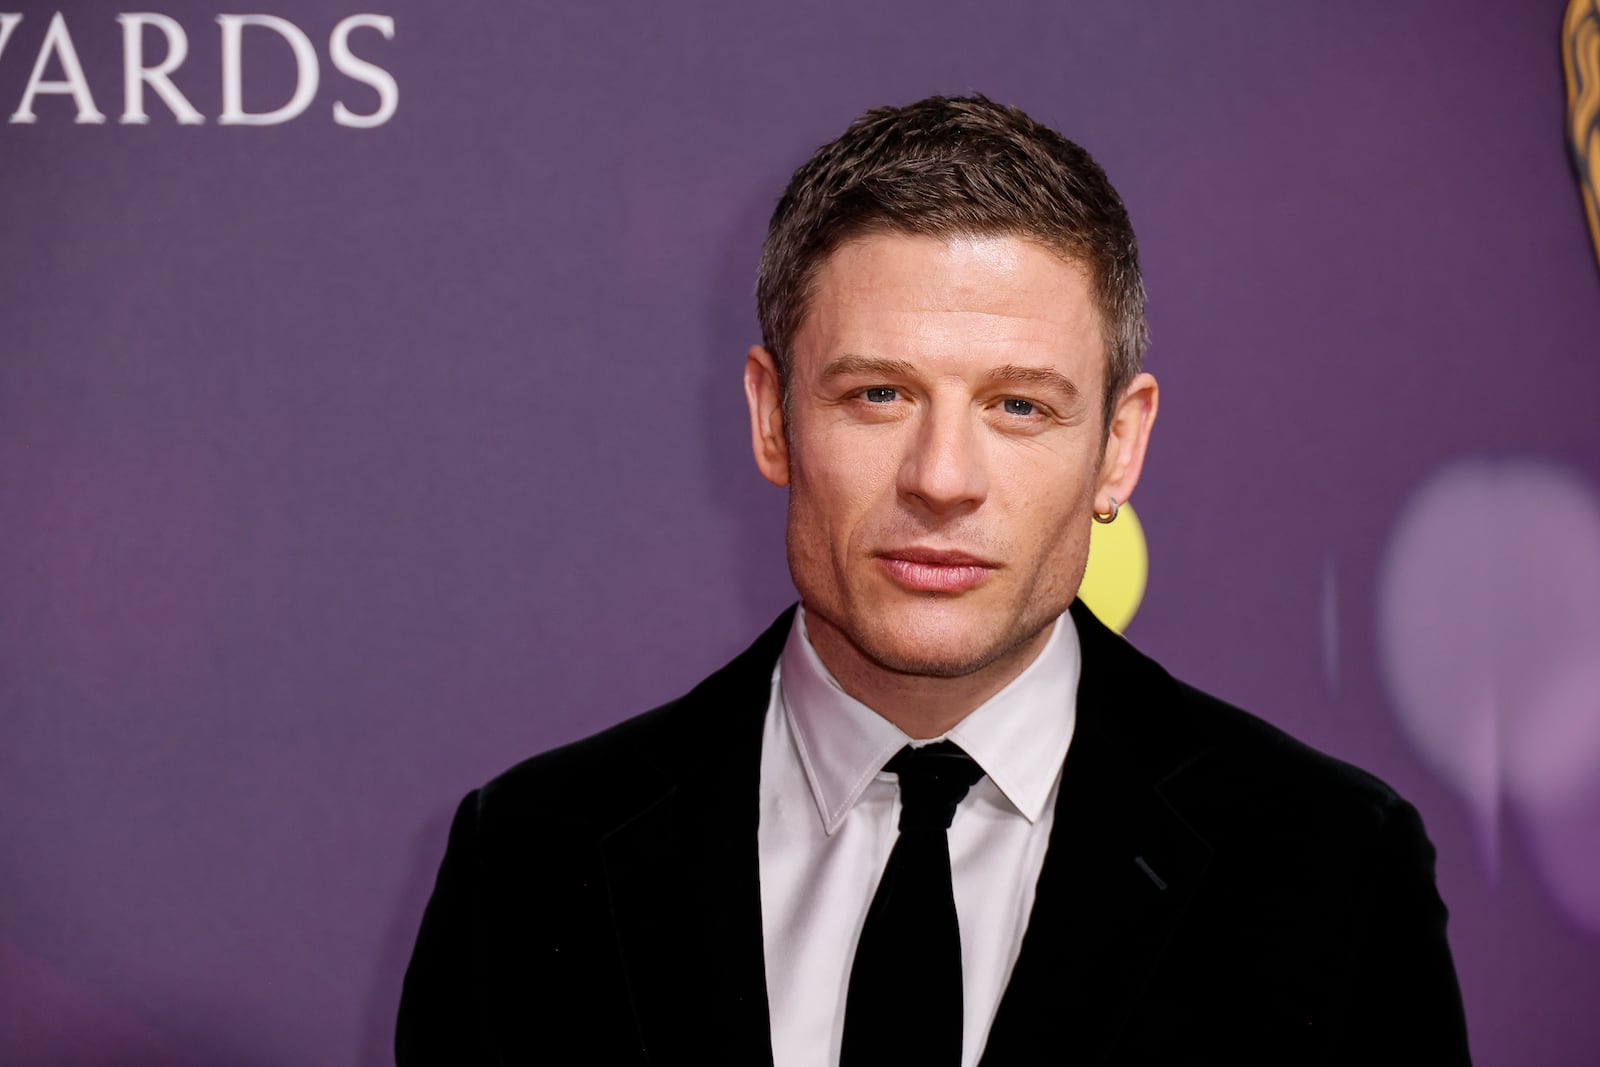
(1248, 774)
(1317, 892)
(586, 779)
(1202, 751)
(603, 778)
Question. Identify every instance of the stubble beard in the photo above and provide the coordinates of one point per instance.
(951, 667)
(876, 642)
(890, 651)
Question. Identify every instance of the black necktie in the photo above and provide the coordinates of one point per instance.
(904, 1004)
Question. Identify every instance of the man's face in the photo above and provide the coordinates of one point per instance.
(944, 447)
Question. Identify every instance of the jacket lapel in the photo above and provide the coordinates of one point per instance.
(684, 879)
(1119, 871)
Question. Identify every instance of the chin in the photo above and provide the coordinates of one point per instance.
(938, 639)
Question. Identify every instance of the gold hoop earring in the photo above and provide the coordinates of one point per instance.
(1109, 516)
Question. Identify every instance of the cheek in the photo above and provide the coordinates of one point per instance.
(1048, 509)
(840, 483)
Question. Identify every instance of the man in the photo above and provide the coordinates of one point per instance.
(939, 814)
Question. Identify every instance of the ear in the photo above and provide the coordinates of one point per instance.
(1127, 437)
(767, 438)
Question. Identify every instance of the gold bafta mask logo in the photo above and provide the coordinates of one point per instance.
(1580, 54)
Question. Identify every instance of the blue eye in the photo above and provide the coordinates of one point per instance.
(879, 395)
(1014, 406)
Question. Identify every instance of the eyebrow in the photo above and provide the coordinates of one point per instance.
(1043, 376)
(866, 367)
(1010, 374)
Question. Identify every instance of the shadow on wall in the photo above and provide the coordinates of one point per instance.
(399, 935)
(68, 1023)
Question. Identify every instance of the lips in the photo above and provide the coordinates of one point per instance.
(931, 570)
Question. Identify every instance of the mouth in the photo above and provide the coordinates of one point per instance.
(930, 570)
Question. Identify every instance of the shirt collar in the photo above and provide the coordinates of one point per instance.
(1019, 736)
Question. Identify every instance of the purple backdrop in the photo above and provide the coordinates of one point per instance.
(339, 466)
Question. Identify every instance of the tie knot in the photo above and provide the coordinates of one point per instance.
(933, 779)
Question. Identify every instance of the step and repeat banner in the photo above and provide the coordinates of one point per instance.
(370, 418)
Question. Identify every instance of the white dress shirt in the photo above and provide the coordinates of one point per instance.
(830, 816)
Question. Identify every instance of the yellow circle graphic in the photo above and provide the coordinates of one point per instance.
(1580, 55)
(1119, 566)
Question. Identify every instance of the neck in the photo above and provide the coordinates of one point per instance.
(921, 705)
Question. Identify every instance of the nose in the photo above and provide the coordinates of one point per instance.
(944, 470)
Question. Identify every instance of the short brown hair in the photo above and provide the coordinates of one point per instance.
(949, 166)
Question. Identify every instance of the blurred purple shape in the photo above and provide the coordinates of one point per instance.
(68, 1022)
(1489, 637)
(1565, 841)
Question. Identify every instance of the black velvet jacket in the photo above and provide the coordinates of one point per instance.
(1214, 893)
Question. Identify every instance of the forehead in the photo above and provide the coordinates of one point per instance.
(923, 292)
